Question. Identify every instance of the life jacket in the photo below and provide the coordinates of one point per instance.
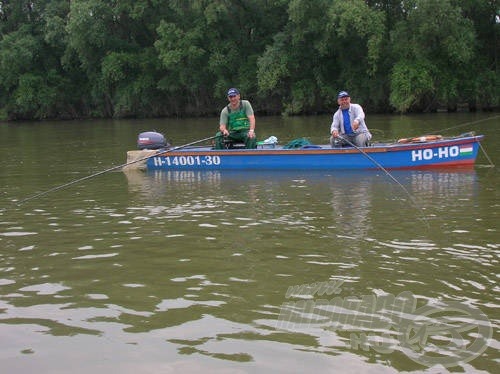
(237, 119)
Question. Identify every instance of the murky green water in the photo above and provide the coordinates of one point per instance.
(195, 271)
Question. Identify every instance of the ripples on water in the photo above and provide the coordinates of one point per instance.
(172, 270)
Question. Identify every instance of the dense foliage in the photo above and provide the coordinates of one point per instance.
(148, 58)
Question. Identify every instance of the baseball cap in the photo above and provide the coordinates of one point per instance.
(233, 92)
(343, 94)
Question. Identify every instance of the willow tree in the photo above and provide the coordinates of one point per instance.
(109, 43)
(31, 77)
(482, 74)
(431, 47)
(101, 58)
(326, 46)
(207, 46)
(182, 50)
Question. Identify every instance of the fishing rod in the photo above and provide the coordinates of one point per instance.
(491, 164)
(159, 153)
(469, 123)
(480, 145)
(388, 174)
(458, 126)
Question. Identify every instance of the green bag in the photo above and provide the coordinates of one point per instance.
(297, 143)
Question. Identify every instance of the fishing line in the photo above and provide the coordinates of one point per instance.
(159, 153)
(412, 199)
(487, 157)
(480, 145)
(468, 124)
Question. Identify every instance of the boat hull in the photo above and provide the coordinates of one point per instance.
(454, 152)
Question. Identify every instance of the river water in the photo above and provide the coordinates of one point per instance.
(244, 272)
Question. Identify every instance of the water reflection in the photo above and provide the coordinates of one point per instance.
(186, 267)
(157, 183)
(351, 207)
(446, 179)
(352, 193)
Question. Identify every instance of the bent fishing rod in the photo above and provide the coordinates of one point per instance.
(468, 123)
(491, 164)
(414, 202)
(159, 153)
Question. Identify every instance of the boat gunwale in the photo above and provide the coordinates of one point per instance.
(325, 149)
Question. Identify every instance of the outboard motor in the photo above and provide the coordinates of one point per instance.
(151, 140)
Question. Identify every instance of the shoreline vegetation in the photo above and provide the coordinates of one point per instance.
(88, 59)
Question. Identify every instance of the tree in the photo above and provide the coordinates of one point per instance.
(326, 46)
(430, 49)
(122, 58)
(481, 75)
(30, 74)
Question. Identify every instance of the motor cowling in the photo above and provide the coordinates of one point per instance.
(151, 140)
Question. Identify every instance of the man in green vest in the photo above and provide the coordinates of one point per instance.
(237, 122)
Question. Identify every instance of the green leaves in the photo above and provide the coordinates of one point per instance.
(410, 82)
(273, 65)
(35, 95)
(18, 53)
(154, 57)
(432, 47)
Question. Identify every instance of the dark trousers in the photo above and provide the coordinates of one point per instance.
(240, 136)
(358, 139)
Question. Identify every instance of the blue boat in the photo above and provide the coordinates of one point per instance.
(424, 152)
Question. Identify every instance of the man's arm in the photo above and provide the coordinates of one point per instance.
(334, 128)
(251, 131)
(223, 122)
(251, 118)
(359, 116)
